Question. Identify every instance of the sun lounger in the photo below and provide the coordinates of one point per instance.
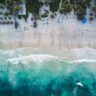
(7, 22)
(5, 17)
(3, 23)
(11, 22)
(9, 17)
(1, 18)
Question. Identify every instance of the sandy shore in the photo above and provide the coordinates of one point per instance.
(67, 33)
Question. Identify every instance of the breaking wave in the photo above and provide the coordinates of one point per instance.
(35, 58)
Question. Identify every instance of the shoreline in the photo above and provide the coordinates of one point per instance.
(75, 54)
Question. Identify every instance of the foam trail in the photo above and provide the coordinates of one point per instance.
(35, 58)
(84, 60)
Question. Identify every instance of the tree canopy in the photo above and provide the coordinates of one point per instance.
(79, 7)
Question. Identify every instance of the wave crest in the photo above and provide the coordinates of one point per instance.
(35, 58)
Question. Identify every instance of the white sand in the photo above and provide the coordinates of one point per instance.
(61, 33)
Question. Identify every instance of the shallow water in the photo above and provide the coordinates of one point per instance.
(51, 76)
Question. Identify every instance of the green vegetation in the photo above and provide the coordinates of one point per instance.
(54, 6)
(66, 7)
(80, 8)
(44, 15)
(13, 6)
(33, 6)
(94, 9)
(23, 16)
(63, 6)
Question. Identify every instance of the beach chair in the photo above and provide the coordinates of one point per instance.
(1, 18)
(5, 18)
(7, 22)
(4, 23)
(9, 17)
(11, 22)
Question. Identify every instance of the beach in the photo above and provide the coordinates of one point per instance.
(49, 34)
(47, 48)
(56, 57)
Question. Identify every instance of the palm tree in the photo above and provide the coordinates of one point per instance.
(60, 5)
(65, 6)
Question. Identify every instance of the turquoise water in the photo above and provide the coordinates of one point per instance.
(52, 77)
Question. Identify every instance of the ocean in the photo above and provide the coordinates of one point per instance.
(46, 75)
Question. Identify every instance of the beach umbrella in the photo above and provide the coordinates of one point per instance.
(84, 20)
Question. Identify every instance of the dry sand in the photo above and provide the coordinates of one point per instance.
(69, 33)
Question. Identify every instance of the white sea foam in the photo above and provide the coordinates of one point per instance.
(35, 58)
(77, 55)
(83, 60)
(79, 84)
